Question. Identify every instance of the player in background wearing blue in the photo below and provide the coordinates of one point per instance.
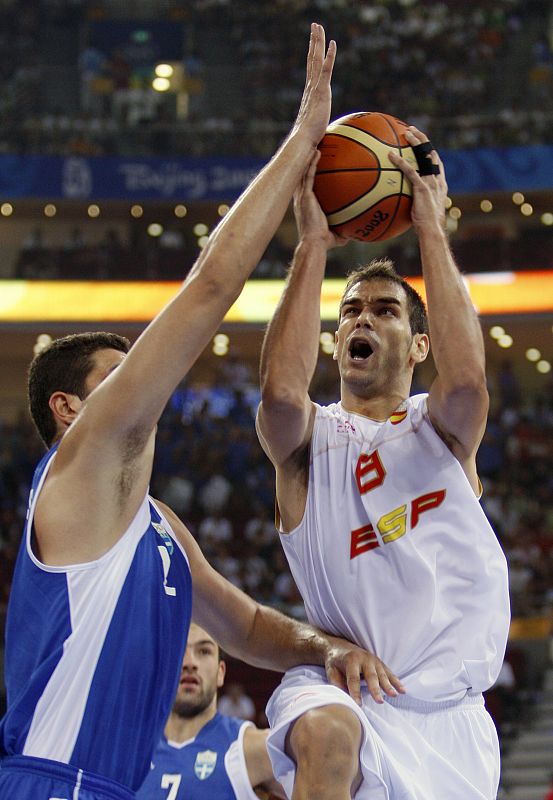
(204, 754)
(100, 604)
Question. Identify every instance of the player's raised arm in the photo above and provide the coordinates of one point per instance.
(115, 427)
(458, 401)
(291, 345)
(175, 339)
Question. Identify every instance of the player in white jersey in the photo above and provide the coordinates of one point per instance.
(100, 602)
(379, 517)
(203, 753)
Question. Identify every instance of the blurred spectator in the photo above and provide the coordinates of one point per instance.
(508, 385)
(33, 241)
(75, 241)
(178, 493)
(214, 529)
(92, 67)
(506, 698)
(215, 494)
(236, 703)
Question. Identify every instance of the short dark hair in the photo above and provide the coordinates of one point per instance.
(384, 268)
(63, 366)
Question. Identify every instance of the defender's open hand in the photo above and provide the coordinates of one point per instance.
(314, 112)
(347, 665)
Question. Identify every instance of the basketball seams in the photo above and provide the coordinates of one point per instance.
(355, 155)
(356, 205)
(368, 141)
(402, 181)
(394, 215)
(342, 170)
(373, 136)
(360, 197)
(391, 127)
(355, 214)
(373, 208)
(384, 118)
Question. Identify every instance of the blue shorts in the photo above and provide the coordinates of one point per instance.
(28, 778)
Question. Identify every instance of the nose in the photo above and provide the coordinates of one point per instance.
(364, 318)
(189, 662)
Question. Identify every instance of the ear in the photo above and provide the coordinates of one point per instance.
(221, 672)
(335, 353)
(420, 348)
(65, 408)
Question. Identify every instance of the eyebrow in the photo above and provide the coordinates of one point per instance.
(203, 642)
(385, 300)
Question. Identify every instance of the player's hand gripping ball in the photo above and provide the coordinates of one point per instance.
(363, 195)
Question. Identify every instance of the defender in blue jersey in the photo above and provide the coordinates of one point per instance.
(101, 596)
(204, 754)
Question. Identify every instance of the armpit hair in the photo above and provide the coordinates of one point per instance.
(133, 447)
(299, 461)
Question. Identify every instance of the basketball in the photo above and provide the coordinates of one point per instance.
(363, 195)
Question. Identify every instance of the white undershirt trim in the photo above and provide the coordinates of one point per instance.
(235, 765)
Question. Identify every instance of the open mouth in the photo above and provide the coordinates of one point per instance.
(359, 349)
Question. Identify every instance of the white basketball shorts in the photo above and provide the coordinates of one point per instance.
(411, 749)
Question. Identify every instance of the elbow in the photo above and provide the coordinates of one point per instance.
(218, 289)
(472, 394)
(468, 378)
(218, 282)
(278, 397)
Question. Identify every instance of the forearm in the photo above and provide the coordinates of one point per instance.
(179, 334)
(290, 349)
(277, 642)
(237, 244)
(245, 629)
(455, 333)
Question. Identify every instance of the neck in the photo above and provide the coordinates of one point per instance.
(179, 729)
(377, 408)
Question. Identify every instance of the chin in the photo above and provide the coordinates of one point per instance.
(358, 382)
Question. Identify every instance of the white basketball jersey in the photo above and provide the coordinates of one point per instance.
(395, 553)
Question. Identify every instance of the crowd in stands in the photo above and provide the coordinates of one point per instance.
(472, 74)
(170, 256)
(514, 462)
(423, 61)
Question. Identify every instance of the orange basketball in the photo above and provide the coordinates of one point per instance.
(363, 195)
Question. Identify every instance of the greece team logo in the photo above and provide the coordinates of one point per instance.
(205, 764)
(167, 541)
(165, 551)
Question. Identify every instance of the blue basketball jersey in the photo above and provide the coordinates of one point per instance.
(94, 651)
(209, 767)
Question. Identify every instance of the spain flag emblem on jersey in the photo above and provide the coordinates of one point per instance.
(398, 416)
